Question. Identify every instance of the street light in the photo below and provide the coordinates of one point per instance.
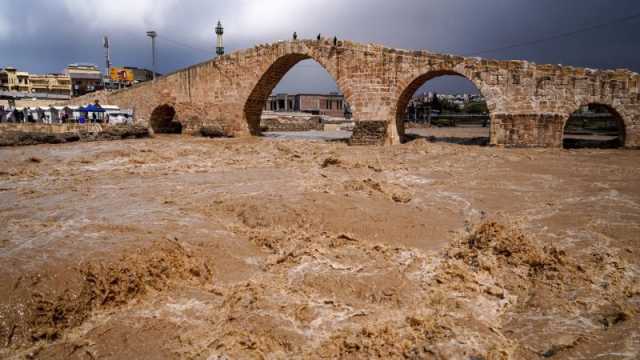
(153, 35)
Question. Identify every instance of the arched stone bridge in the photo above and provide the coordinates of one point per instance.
(529, 103)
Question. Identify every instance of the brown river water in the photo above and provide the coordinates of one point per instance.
(179, 247)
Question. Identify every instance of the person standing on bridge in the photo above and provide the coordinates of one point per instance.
(335, 41)
(295, 36)
(319, 37)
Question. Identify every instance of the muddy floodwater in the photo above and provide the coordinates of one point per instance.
(180, 247)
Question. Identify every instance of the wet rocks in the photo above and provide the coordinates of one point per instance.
(330, 161)
(124, 132)
(15, 138)
(213, 131)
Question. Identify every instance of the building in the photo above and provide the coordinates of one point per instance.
(21, 84)
(332, 104)
(85, 78)
(131, 75)
(55, 84)
(126, 76)
(141, 75)
(13, 80)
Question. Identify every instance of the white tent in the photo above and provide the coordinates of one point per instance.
(43, 115)
(73, 112)
(56, 113)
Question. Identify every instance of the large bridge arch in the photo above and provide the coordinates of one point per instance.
(411, 82)
(271, 71)
(625, 109)
(621, 122)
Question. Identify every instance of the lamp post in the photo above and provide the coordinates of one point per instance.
(153, 35)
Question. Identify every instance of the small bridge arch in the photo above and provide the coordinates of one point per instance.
(163, 120)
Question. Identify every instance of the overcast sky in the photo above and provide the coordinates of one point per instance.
(46, 35)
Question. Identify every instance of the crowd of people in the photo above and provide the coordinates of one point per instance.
(63, 114)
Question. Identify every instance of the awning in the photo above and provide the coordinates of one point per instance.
(92, 108)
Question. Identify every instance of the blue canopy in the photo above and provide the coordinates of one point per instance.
(92, 108)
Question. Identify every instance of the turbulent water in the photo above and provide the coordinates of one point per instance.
(179, 247)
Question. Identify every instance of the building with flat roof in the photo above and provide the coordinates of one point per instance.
(125, 76)
(141, 75)
(332, 104)
(57, 84)
(21, 84)
(85, 78)
(13, 80)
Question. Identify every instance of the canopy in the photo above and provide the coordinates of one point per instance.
(92, 108)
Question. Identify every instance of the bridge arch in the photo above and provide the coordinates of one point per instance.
(408, 86)
(163, 120)
(616, 122)
(272, 72)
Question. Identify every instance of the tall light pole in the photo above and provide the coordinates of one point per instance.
(107, 55)
(153, 35)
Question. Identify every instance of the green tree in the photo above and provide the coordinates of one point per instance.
(477, 107)
(435, 103)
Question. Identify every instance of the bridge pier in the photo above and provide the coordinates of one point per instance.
(370, 133)
(632, 137)
(527, 130)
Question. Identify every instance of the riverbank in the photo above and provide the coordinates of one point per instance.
(34, 134)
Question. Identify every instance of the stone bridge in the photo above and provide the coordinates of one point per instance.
(529, 104)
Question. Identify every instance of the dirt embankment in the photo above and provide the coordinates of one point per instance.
(23, 138)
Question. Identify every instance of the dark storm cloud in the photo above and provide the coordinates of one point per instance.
(45, 36)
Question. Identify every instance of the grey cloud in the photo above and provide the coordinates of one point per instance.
(44, 36)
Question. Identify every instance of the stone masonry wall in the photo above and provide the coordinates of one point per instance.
(292, 124)
(369, 133)
(529, 103)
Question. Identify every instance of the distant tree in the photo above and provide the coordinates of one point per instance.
(435, 103)
(477, 107)
(448, 106)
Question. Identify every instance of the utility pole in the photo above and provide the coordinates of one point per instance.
(107, 55)
(219, 43)
(153, 35)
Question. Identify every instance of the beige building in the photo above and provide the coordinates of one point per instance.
(21, 81)
(332, 104)
(58, 84)
(13, 80)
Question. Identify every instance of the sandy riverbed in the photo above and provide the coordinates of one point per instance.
(180, 247)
